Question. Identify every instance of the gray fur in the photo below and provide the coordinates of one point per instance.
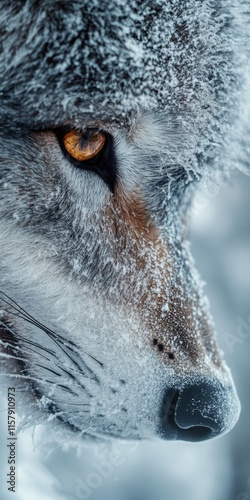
(163, 78)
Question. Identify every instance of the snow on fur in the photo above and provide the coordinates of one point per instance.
(165, 79)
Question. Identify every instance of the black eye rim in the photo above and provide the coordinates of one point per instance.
(103, 164)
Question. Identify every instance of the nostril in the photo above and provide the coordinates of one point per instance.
(198, 433)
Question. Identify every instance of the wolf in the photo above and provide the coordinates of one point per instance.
(112, 113)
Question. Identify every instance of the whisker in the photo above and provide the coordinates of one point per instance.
(31, 350)
(55, 337)
(76, 404)
(67, 389)
(49, 370)
(92, 357)
(25, 340)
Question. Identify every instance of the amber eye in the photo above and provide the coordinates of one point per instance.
(83, 146)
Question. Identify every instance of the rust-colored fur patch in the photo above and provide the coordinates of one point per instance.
(152, 280)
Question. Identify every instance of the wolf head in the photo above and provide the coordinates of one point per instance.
(103, 315)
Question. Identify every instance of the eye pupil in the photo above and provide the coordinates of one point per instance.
(83, 146)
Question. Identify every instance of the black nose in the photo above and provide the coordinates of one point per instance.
(199, 411)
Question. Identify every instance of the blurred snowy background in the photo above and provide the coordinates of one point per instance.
(215, 470)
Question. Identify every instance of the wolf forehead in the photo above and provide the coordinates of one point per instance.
(112, 57)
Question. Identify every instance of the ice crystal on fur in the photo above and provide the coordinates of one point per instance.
(103, 307)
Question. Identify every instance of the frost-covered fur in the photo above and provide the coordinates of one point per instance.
(102, 309)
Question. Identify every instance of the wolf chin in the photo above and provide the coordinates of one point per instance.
(104, 323)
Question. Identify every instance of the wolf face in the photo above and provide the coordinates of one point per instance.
(111, 114)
